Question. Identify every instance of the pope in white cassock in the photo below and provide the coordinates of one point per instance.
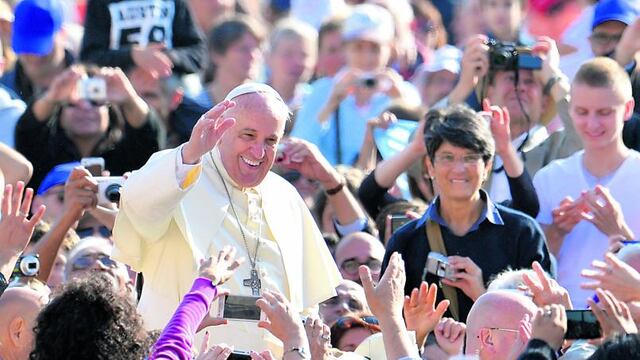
(186, 203)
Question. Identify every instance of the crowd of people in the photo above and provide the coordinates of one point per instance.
(388, 179)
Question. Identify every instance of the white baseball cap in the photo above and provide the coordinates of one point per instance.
(369, 22)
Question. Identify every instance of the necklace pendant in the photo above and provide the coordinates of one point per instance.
(253, 282)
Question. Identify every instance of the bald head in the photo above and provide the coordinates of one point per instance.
(19, 307)
(493, 323)
(356, 249)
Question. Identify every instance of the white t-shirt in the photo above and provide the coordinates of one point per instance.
(566, 177)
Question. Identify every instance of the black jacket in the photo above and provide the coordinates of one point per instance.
(123, 147)
(112, 27)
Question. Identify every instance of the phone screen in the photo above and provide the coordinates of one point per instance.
(397, 220)
(241, 307)
(582, 324)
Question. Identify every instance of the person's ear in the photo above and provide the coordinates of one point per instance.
(428, 164)
(488, 166)
(628, 109)
(17, 328)
(485, 338)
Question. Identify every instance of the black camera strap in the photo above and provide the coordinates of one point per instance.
(338, 142)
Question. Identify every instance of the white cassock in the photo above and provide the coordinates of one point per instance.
(163, 231)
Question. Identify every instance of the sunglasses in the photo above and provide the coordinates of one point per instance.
(350, 266)
(90, 231)
(93, 103)
(347, 322)
(85, 262)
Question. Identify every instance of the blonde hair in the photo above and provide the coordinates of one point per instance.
(603, 72)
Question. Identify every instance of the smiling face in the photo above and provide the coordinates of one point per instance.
(248, 148)
(84, 120)
(458, 172)
(598, 114)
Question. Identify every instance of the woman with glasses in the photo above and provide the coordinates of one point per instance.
(474, 237)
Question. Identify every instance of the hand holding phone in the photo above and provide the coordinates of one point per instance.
(582, 324)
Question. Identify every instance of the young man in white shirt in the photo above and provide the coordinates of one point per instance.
(585, 198)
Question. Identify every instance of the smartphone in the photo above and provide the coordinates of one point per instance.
(582, 324)
(397, 220)
(238, 308)
(95, 165)
(239, 355)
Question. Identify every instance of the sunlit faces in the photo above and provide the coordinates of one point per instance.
(84, 120)
(605, 37)
(242, 59)
(503, 17)
(598, 114)
(292, 60)
(503, 93)
(367, 55)
(248, 148)
(458, 172)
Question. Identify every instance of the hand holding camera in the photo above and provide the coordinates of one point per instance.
(80, 192)
(464, 274)
(613, 315)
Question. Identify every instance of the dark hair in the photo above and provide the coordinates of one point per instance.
(461, 127)
(230, 30)
(353, 321)
(90, 320)
(227, 32)
(329, 26)
(619, 347)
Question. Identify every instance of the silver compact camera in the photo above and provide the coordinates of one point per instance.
(93, 89)
(438, 265)
(28, 266)
(109, 189)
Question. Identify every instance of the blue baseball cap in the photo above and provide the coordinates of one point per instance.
(56, 176)
(624, 11)
(35, 25)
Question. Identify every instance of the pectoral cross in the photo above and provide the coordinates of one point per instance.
(253, 282)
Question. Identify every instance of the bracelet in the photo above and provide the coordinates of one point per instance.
(336, 189)
(302, 352)
(549, 85)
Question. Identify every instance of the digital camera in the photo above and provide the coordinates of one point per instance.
(506, 56)
(27, 265)
(109, 189)
(93, 89)
(438, 265)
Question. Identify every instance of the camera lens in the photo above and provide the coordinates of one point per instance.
(370, 82)
(112, 192)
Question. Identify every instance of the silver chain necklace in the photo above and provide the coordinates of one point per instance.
(254, 280)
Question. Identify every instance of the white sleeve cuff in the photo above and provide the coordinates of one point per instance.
(344, 230)
(182, 169)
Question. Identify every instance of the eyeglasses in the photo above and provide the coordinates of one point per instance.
(347, 322)
(351, 265)
(468, 160)
(502, 329)
(90, 231)
(85, 262)
(604, 38)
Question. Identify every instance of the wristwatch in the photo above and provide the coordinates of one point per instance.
(301, 351)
